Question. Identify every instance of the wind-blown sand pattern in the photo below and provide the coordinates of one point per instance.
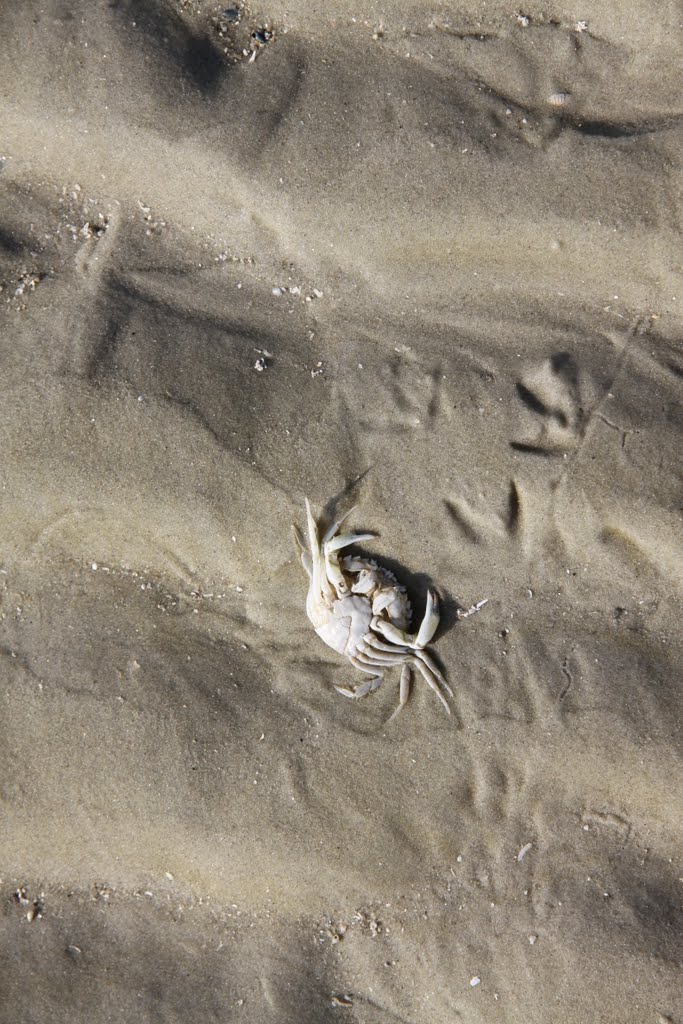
(423, 258)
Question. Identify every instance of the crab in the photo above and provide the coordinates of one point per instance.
(360, 610)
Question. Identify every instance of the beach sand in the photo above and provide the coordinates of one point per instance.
(424, 259)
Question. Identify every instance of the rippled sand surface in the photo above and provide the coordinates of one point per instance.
(425, 259)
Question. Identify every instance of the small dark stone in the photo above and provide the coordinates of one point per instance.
(232, 14)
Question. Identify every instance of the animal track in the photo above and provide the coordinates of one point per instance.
(482, 527)
(552, 392)
(413, 397)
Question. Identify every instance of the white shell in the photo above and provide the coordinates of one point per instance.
(348, 624)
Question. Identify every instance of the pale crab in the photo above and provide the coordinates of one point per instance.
(360, 610)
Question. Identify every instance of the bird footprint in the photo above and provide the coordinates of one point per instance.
(554, 411)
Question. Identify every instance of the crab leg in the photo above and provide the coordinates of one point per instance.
(376, 657)
(336, 527)
(424, 665)
(303, 553)
(365, 688)
(334, 574)
(431, 682)
(403, 692)
(421, 661)
(344, 539)
(332, 567)
(415, 640)
(376, 646)
(374, 641)
(331, 543)
(330, 548)
(319, 580)
(426, 660)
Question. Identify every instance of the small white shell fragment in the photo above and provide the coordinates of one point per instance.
(523, 852)
(475, 981)
(559, 99)
(471, 611)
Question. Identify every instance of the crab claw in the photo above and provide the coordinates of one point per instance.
(430, 621)
(425, 632)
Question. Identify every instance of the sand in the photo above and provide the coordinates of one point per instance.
(422, 258)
